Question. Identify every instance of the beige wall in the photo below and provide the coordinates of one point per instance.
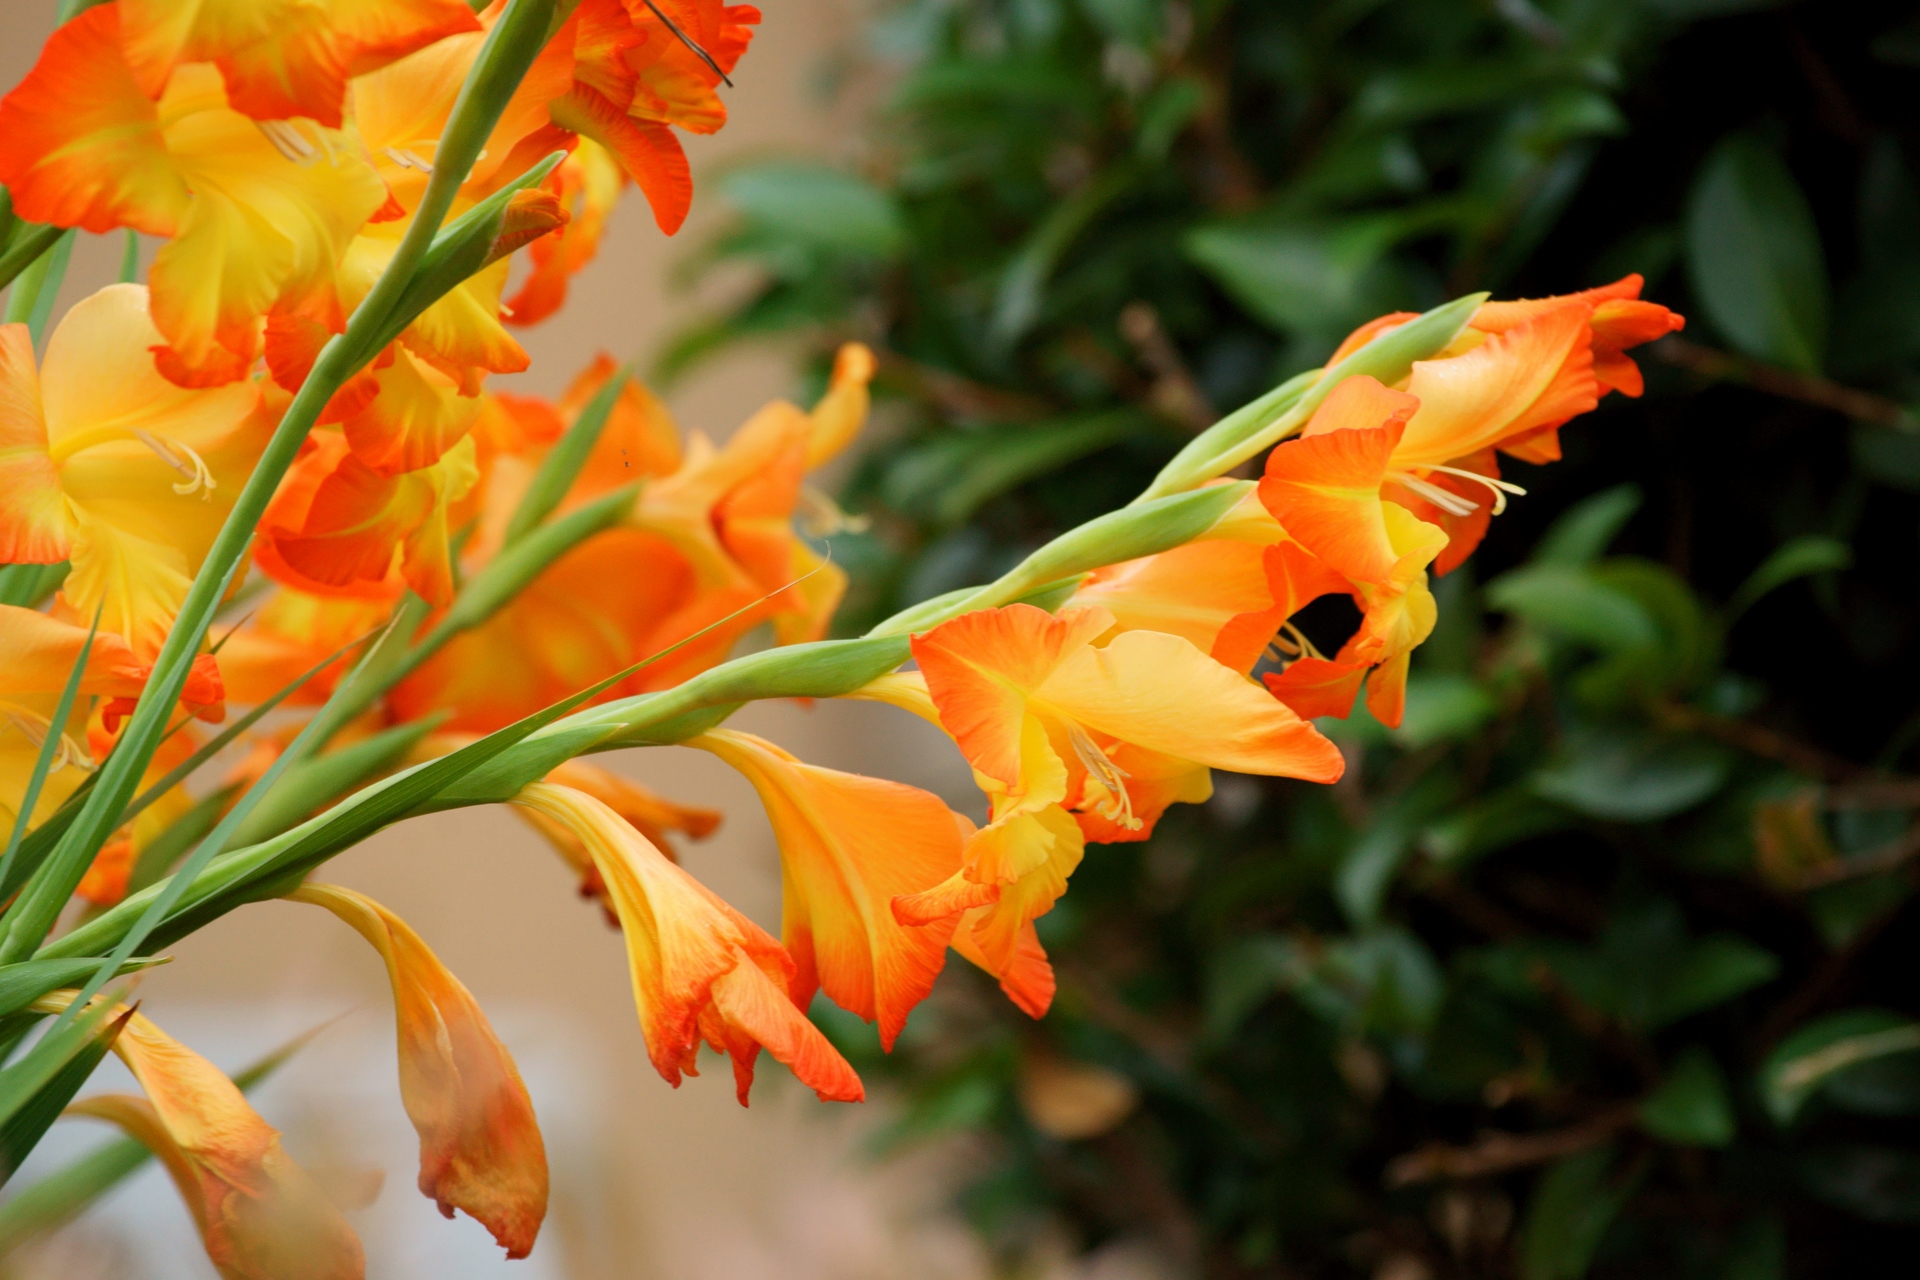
(649, 1181)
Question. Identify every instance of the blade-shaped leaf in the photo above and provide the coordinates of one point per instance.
(314, 782)
(1796, 559)
(21, 984)
(34, 1089)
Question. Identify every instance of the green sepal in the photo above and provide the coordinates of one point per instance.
(1241, 435)
(312, 783)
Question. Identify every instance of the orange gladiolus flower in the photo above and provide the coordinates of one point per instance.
(337, 526)
(635, 79)
(701, 970)
(281, 58)
(1024, 693)
(257, 214)
(259, 1214)
(480, 1148)
(1383, 483)
(652, 815)
(1074, 741)
(290, 632)
(128, 476)
(849, 845)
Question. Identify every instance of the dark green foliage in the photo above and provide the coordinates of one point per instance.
(1632, 883)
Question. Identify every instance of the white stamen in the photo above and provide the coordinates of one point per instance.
(1455, 503)
(182, 458)
(287, 140)
(1118, 806)
(34, 727)
(407, 159)
(1447, 501)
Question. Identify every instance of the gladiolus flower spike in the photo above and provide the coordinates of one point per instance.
(304, 383)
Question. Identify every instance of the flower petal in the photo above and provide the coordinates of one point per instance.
(480, 1147)
(80, 143)
(1160, 692)
(35, 525)
(850, 845)
(1537, 374)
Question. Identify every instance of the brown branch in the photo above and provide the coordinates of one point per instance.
(1885, 858)
(1499, 1152)
(1722, 366)
(959, 396)
(1174, 394)
(1874, 793)
(1758, 740)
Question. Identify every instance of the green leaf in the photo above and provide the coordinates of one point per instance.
(1806, 1060)
(34, 1089)
(1803, 556)
(1582, 533)
(1503, 818)
(23, 983)
(1319, 277)
(1021, 294)
(1571, 603)
(826, 209)
(1569, 1216)
(26, 585)
(1441, 708)
(167, 848)
(1754, 253)
(1243, 974)
(313, 783)
(1622, 776)
(952, 475)
(1691, 1107)
(24, 250)
(1648, 973)
(1758, 1252)
(1368, 866)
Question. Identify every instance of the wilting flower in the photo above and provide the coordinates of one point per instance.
(127, 476)
(701, 970)
(480, 1148)
(849, 845)
(260, 1215)
(257, 214)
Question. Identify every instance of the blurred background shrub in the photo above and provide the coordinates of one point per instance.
(1604, 962)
